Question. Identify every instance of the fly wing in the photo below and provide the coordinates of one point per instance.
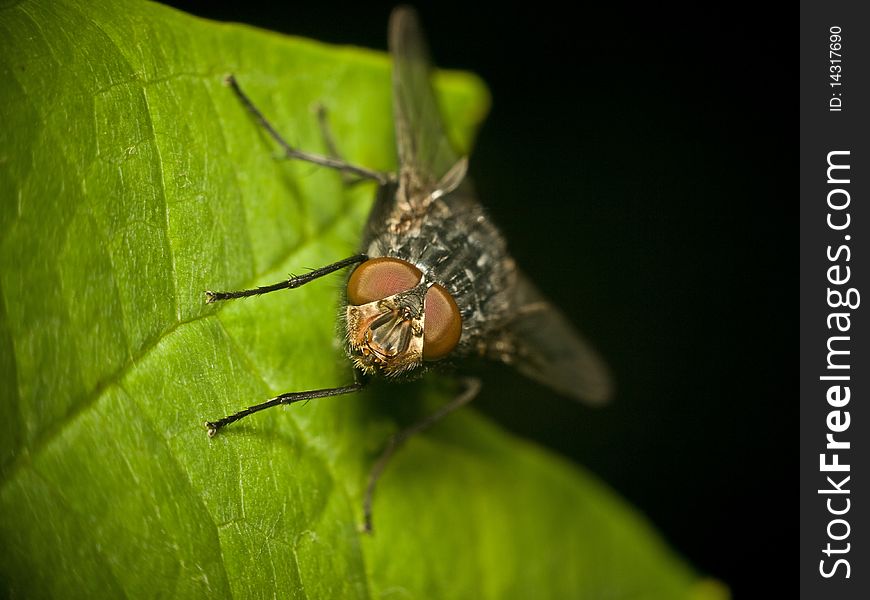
(543, 345)
(539, 341)
(425, 154)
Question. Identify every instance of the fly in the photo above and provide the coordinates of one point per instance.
(433, 282)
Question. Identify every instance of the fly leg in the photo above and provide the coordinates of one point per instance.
(291, 152)
(472, 387)
(214, 426)
(288, 284)
(331, 148)
(290, 398)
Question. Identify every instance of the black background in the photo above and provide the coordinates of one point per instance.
(636, 161)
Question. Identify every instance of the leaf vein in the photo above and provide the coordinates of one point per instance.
(159, 164)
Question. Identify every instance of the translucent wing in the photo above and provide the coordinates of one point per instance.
(542, 344)
(538, 340)
(425, 154)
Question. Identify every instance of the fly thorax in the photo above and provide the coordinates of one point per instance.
(387, 335)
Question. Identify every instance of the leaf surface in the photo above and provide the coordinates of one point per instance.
(131, 181)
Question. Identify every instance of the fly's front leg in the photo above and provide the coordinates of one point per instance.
(214, 426)
(293, 282)
(291, 152)
(288, 284)
(472, 387)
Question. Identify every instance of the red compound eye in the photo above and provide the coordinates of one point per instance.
(443, 324)
(377, 278)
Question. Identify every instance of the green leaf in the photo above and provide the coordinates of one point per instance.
(131, 181)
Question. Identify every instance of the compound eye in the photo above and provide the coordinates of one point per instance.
(442, 326)
(378, 278)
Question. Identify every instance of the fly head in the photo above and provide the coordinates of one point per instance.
(396, 320)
